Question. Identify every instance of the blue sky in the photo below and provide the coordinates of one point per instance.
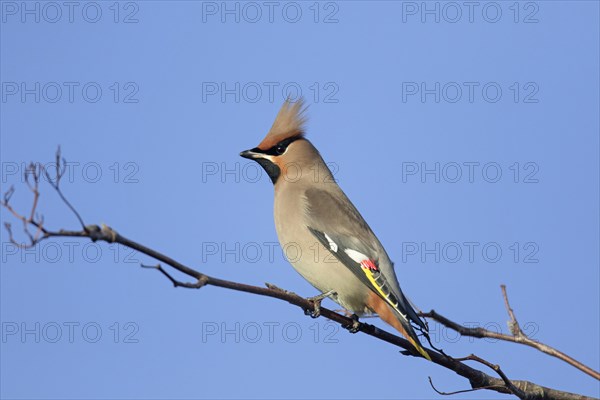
(467, 137)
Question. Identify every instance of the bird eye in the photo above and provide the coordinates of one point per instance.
(280, 149)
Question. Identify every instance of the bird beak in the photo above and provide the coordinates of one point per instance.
(251, 154)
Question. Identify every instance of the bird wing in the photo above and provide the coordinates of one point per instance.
(340, 228)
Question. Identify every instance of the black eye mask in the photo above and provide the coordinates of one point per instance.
(279, 148)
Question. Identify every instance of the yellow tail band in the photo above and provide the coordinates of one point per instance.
(419, 348)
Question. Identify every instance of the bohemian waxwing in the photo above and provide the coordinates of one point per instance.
(323, 235)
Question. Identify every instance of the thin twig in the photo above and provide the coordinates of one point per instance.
(513, 324)
(458, 391)
(516, 391)
(191, 285)
(61, 164)
(27, 221)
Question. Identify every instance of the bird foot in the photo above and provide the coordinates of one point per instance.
(354, 326)
(316, 300)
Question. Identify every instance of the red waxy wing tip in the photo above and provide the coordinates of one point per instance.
(370, 265)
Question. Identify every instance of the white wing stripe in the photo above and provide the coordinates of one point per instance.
(332, 245)
(355, 255)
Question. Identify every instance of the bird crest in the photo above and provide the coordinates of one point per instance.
(289, 122)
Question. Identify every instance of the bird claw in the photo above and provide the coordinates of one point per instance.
(316, 300)
(313, 314)
(355, 326)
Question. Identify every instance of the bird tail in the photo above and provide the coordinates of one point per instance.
(393, 315)
(405, 320)
(409, 333)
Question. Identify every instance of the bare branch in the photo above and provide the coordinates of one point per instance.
(518, 336)
(477, 379)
